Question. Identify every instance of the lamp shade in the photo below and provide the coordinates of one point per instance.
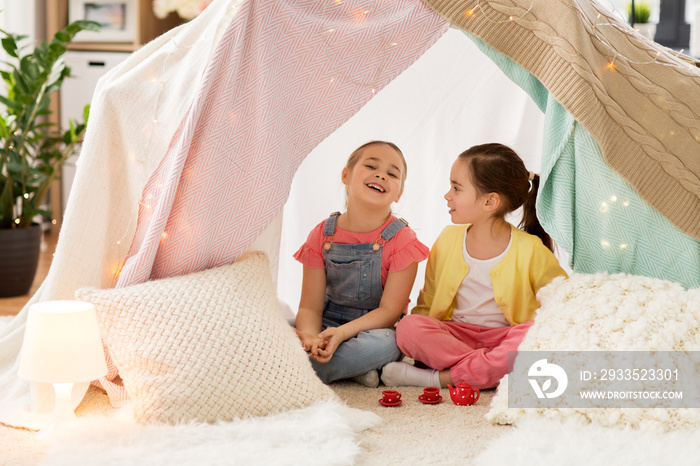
(62, 343)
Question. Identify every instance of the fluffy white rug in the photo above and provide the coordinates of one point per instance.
(612, 313)
(323, 434)
(537, 442)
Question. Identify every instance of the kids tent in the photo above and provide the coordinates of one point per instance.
(194, 141)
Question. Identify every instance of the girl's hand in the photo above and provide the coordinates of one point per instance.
(311, 344)
(333, 336)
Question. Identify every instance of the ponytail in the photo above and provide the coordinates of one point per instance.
(496, 168)
(530, 223)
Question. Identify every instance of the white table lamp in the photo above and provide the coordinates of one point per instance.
(62, 346)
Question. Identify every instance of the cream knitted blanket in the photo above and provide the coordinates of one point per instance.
(639, 100)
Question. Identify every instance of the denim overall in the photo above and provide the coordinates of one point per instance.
(354, 288)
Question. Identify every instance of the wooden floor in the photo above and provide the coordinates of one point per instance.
(11, 306)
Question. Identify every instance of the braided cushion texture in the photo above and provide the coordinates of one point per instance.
(207, 346)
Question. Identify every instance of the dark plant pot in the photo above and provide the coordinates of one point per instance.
(19, 257)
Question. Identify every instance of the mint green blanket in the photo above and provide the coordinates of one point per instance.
(591, 211)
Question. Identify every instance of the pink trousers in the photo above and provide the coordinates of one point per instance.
(473, 354)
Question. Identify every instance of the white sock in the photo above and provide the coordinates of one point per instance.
(402, 373)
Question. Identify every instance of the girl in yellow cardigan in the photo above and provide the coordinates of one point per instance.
(482, 275)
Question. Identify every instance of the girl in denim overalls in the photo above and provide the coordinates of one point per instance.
(359, 268)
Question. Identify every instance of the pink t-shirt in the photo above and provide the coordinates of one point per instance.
(398, 253)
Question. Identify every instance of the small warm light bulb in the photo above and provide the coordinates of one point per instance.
(116, 269)
(17, 221)
(604, 243)
(332, 79)
(611, 65)
(623, 246)
(469, 13)
(394, 44)
(604, 207)
(373, 91)
(54, 222)
(510, 18)
(613, 198)
(26, 195)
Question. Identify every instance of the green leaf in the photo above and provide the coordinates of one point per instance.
(29, 68)
(6, 76)
(56, 49)
(10, 46)
(61, 36)
(12, 104)
(4, 128)
(23, 85)
(82, 25)
(56, 72)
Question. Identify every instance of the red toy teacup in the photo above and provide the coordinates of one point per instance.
(431, 393)
(391, 396)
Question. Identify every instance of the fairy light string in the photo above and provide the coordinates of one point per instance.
(499, 14)
(360, 17)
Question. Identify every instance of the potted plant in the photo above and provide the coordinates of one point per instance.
(33, 150)
(640, 21)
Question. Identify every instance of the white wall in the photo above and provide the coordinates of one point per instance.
(23, 17)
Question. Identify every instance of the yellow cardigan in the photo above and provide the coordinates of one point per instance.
(527, 266)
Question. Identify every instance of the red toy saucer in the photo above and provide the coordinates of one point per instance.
(422, 399)
(384, 403)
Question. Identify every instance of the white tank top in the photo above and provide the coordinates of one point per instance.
(475, 301)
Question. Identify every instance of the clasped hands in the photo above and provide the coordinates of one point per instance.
(322, 346)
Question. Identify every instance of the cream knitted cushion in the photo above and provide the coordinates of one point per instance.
(207, 346)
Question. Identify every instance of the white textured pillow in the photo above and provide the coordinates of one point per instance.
(611, 313)
(207, 346)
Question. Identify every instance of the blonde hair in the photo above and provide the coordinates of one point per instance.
(355, 157)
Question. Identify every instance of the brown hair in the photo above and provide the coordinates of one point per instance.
(496, 168)
(355, 156)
